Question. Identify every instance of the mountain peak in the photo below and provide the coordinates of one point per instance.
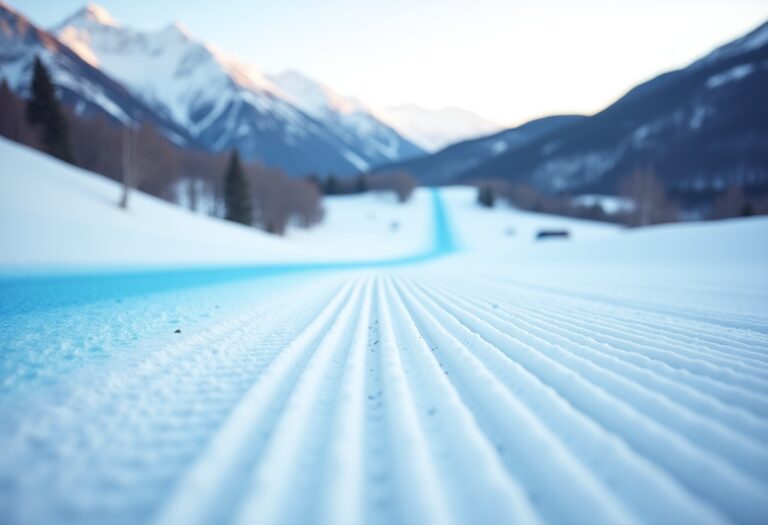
(179, 29)
(92, 13)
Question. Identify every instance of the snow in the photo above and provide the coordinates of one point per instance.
(313, 97)
(499, 147)
(194, 83)
(562, 173)
(732, 75)
(48, 210)
(350, 117)
(170, 70)
(356, 161)
(620, 376)
(434, 129)
(751, 41)
(370, 223)
(610, 204)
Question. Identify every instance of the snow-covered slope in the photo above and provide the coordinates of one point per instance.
(54, 215)
(227, 104)
(349, 117)
(618, 377)
(434, 129)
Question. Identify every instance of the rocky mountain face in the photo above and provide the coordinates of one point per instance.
(198, 96)
(701, 129)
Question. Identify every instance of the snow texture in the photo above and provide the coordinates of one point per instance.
(487, 378)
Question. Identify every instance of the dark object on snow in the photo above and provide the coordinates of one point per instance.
(178, 331)
(486, 196)
(552, 234)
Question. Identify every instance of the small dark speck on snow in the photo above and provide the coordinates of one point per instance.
(178, 331)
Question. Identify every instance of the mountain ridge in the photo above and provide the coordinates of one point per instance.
(702, 128)
(196, 95)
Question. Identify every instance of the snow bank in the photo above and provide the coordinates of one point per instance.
(57, 215)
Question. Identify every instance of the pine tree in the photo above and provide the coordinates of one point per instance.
(44, 113)
(362, 185)
(237, 197)
(331, 185)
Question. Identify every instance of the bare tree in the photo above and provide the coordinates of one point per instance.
(129, 147)
(647, 192)
(399, 182)
(732, 203)
(157, 163)
(149, 162)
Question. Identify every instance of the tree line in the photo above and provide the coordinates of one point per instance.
(398, 182)
(139, 157)
(648, 201)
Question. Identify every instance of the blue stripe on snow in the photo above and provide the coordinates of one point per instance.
(36, 293)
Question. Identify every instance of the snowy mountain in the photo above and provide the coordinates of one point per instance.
(225, 104)
(703, 128)
(436, 129)
(451, 162)
(82, 86)
(349, 118)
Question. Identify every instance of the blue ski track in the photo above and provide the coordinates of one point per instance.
(21, 294)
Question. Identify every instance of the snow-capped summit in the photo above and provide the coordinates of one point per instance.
(81, 84)
(753, 40)
(167, 68)
(349, 117)
(94, 13)
(434, 129)
(315, 98)
(227, 104)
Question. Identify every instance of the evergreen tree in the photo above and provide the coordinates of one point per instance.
(362, 184)
(331, 185)
(44, 113)
(237, 197)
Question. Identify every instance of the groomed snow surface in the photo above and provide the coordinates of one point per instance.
(617, 377)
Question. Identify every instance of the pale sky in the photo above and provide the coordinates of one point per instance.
(508, 60)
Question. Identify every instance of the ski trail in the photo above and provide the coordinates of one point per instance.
(461, 447)
(291, 463)
(740, 496)
(209, 488)
(680, 388)
(601, 454)
(440, 388)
